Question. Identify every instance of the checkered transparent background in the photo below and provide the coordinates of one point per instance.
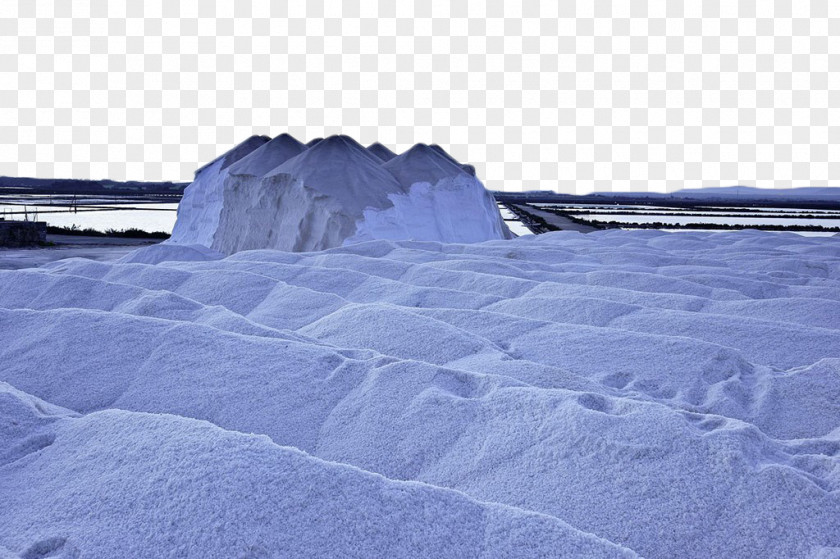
(569, 96)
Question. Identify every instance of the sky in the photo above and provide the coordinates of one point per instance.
(567, 96)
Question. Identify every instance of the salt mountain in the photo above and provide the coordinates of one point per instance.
(286, 195)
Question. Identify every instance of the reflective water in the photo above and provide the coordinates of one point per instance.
(734, 216)
(684, 219)
(99, 213)
(516, 227)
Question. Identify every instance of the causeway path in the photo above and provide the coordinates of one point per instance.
(558, 221)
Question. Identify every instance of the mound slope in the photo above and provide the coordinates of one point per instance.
(142, 485)
(268, 156)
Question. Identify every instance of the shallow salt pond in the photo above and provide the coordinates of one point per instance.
(684, 219)
(96, 213)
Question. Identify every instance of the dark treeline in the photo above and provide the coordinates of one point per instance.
(23, 185)
(131, 233)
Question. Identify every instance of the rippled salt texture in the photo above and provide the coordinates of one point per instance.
(668, 394)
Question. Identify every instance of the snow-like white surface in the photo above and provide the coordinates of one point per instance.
(380, 151)
(295, 197)
(621, 391)
(201, 206)
(125, 484)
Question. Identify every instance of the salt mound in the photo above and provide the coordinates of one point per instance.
(268, 156)
(381, 151)
(469, 169)
(290, 196)
(441, 203)
(201, 205)
(421, 164)
(232, 156)
(310, 202)
(115, 473)
(343, 170)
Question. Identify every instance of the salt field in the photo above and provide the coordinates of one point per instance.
(91, 212)
(676, 219)
(743, 217)
(666, 394)
(407, 379)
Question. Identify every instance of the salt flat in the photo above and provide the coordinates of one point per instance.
(619, 392)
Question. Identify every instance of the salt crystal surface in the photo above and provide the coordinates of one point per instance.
(674, 394)
(125, 484)
(380, 151)
(268, 156)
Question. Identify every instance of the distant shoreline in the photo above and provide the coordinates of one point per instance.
(27, 185)
(673, 201)
(545, 219)
(131, 233)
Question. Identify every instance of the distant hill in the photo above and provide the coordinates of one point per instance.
(746, 192)
(24, 185)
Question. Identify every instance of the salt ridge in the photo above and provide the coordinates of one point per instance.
(240, 495)
(381, 151)
(587, 381)
(268, 156)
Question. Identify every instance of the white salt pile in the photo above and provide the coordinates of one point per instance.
(666, 394)
(126, 484)
(286, 195)
(380, 151)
